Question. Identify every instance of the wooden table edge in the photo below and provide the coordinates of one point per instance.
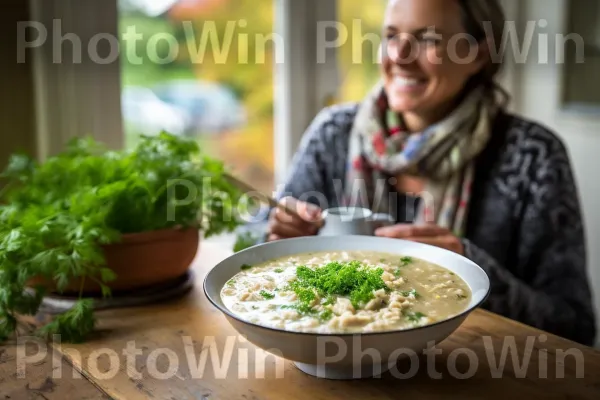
(522, 326)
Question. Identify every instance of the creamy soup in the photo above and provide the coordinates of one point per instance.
(345, 292)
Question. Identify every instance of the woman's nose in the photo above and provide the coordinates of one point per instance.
(402, 50)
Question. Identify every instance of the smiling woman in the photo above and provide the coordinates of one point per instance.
(426, 65)
(433, 145)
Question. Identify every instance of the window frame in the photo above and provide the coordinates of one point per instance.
(70, 104)
(302, 84)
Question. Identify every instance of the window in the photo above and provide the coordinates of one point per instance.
(359, 68)
(583, 57)
(138, 85)
(202, 69)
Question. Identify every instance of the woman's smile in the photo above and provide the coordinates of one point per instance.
(422, 75)
(401, 83)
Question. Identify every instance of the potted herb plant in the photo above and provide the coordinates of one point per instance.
(91, 220)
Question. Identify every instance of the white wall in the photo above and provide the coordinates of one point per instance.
(76, 99)
(538, 96)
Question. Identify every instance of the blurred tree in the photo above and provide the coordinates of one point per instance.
(241, 29)
(238, 54)
(237, 29)
(359, 66)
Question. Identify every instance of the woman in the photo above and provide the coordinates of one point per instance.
(434, 146)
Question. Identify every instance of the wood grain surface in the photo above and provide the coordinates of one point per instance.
(50, 377)
(154, 352)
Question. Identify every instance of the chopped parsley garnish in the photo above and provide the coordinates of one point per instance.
(300, 308)
(461, 296)
(404, 261)
(245, 267)
(254, 307)
(267, 295)
(413, 292)
(231, 282)
(383, 260)
(306, 309)
(279, 270)
(329, 301)
(352, 279)
(413, 316)
(326, 315)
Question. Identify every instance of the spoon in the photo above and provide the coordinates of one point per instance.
(245, 187)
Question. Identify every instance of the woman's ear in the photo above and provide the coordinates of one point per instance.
(483, 54)
(481, 60)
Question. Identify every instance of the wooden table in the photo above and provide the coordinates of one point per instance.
(155, 352)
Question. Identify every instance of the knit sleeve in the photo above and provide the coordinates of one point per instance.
(306, 171)
(556, 295)
(320, 159)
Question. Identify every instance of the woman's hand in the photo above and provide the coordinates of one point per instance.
(284, 226)
(428, 234)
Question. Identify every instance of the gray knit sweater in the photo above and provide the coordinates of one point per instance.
(525, 225)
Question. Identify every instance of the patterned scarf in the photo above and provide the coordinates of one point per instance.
(442, 155)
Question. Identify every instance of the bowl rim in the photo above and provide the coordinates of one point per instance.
(462, 314)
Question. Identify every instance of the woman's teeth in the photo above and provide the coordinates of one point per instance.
(408, 82)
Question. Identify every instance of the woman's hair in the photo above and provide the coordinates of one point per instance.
(484, 20)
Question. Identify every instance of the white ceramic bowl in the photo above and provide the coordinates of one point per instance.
(346, 356)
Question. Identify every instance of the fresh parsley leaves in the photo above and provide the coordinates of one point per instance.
(326, 315)
(244, 240)
(414, 316)
(404, 261)
(74, 324)
(267, 295)
(412, 292)
(352, 279)
(55, 216)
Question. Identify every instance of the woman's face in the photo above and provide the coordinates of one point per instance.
(426, 59)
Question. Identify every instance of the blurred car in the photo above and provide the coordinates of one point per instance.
(146, 114)
(212, 108)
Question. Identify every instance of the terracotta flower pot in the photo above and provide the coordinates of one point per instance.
(144, 259)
